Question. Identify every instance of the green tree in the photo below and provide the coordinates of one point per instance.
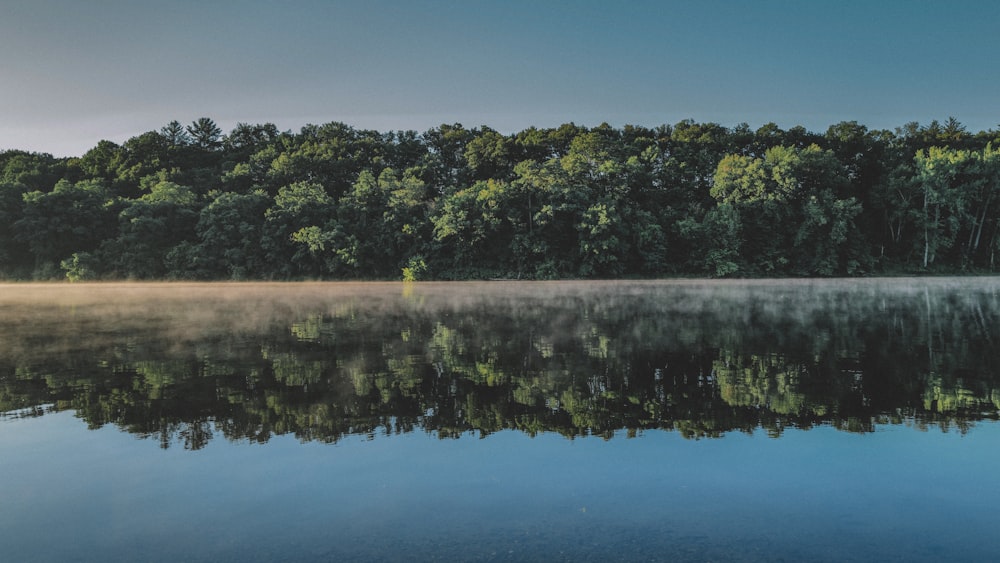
(958, 189)
(140, 157)
(488, 156)
(36, 171)
(71, 218)
(792, 218)
(379, 225)
(296, 206)
(446, 165)
(148, 230)
(716, 242)
(230, 233)
(102, 162)
(205, 134)
(475, 230)
(14, 258)
(175, 135)
(246, 139)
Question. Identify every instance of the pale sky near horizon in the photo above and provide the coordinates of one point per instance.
(73, 72)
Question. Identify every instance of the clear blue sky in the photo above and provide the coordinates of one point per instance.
(73, 72)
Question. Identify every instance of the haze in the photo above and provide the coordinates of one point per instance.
(78, 72)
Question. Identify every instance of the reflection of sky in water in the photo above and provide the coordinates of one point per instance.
(895, 494)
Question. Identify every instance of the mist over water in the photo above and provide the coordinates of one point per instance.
(322, 360)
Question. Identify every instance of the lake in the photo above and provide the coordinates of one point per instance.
(833, 420)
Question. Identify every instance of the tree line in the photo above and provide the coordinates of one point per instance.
(335, 202)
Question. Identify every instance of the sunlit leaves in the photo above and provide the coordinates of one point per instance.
(570, 201)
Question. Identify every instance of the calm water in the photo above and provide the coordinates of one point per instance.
(835, 420)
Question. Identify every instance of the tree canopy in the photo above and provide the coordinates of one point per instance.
(335, 202)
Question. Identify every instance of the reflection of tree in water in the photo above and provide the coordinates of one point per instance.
(768, 382)
(688, 360)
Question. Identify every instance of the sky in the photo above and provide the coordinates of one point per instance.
(74, 72)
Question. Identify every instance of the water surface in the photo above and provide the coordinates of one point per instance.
(834, 420)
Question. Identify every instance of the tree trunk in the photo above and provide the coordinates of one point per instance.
(927, 241)
(982, 221)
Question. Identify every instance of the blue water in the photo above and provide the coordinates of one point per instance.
(898, 494)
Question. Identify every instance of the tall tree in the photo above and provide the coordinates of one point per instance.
(793, 220)
(205, 134)
(175, 134)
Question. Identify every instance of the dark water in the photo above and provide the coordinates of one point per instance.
(748, 421)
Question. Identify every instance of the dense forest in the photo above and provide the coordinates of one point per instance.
(335, 202)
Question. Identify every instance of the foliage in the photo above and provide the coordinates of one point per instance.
(334, 202)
